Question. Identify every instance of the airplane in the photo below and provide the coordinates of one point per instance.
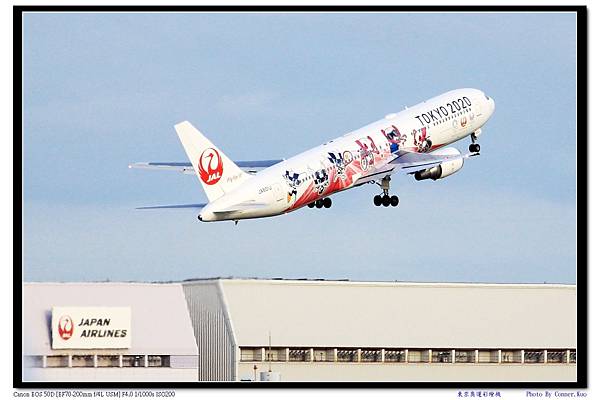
(412, 141)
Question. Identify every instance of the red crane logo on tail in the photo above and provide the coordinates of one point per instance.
(210, 166)
(65, 327)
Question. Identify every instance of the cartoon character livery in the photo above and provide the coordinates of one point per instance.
(372, 154)
(293, 182)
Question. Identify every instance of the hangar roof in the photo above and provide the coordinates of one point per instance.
(160, 323)
(391, 314)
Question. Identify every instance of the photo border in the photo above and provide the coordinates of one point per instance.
(581, 196)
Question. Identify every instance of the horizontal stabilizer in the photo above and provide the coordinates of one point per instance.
(251, 166)
(197, 206)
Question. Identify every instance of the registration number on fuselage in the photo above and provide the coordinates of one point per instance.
(264, 189)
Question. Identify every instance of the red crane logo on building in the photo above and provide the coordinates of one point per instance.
(210, 166)
(65, 327)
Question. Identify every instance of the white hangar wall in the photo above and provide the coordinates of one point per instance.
(384, 314)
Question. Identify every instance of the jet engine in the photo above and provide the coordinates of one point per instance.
(443, 169)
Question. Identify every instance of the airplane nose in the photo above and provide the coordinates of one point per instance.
(491, 104)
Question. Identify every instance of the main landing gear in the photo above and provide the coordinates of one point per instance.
(385, 200)
(326, 202)
(474, 147)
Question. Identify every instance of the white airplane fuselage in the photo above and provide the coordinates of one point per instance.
(351, 159)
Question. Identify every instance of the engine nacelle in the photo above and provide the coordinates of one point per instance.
(442, 170)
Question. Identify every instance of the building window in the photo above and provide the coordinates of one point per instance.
(275, 355)
(83, 361)
(395, 356)
(34, 361)
(464, 356)
(323, 355)
(133, 361)
(319, 355)
(108, 361)
(347, 355)
(299, 355)
(416, 356)
(534, 356)
(57, 361)
(370, 355)
(511, 356)
(250, 354)
(159, 361)
(557, 356)
(441, 356)
(488, 356)
(281, 354)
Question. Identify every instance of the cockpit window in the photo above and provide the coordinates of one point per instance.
(487, 97)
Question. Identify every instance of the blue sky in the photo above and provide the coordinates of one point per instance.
(104, 90)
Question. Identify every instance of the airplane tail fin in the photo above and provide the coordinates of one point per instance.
(216, 172)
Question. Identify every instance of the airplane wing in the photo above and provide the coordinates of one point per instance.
(411, 162)
(185, 167)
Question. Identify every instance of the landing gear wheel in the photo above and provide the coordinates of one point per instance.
(311, 205)
(327, 202)
(474, 148)
(319, 203)
(385, 201)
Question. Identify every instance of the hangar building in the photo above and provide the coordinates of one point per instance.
(162, 345)
(303, 330)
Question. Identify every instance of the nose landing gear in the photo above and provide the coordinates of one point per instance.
(385, 200)
(474, 147)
